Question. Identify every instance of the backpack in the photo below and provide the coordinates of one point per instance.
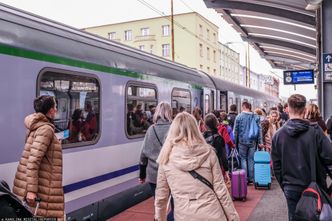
(10, 205)
(253, 129)
(211, 140)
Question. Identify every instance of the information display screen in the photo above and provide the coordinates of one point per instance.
(299, 77)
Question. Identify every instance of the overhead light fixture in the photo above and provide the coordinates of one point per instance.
(313, 5)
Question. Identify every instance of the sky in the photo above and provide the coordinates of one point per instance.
(81, 14)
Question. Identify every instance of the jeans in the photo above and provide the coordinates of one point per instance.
(170, 215)
(292, 198)
(246, 153)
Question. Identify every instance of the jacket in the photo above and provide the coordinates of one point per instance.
(193, 200)
(231, 118)
(291, 154)
(218, 143)
(223, 130)
(151, 149)
(241, 128)
(40, 167)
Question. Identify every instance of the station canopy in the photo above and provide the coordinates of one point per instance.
(283, 32)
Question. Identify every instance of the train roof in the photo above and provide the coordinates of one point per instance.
(49, 40)
(224, 85)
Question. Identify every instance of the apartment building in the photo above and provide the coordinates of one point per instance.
(195, 39)
(229, 64)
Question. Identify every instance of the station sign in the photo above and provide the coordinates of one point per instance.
(299, 77)
(327, 65)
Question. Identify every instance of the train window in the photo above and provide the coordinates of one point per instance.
(207, 104)
(78, 100)
(181, 100)
(141, 101)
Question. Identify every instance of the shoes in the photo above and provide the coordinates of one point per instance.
(250, 182)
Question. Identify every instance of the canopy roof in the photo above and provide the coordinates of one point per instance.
(283, 32)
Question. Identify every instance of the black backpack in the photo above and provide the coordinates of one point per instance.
(10, 205)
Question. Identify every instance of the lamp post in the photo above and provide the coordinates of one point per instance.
(247, 59)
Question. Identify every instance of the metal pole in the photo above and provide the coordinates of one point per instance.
(172, 24)
(246, 64)
(249, 66)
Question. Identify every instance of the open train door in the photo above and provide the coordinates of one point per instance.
(223, 101)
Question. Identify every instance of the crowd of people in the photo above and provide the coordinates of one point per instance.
(186, 143)
(184, 157)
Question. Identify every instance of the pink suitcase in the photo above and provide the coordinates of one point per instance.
(239, 185)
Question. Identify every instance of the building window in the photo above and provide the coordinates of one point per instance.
(165, 30)
(141, 47)
(165, 50)
(145, 31)
(201, 67)
(214, 71)
(208, 34)
(214, 56)
(208, 53)
(200, 30)
(214, 37)
(128, 35)
(111, 35)
(201, 50)
(140, 97)
(208, 70)
(181, 100)
(78, 101)
(151, 49)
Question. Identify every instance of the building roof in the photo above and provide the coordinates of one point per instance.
(283, 32)
(158, 17)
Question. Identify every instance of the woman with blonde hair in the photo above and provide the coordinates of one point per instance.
(184, 153)
(313, 115)
(153, 141)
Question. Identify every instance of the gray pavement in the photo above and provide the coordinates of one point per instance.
(272, 207)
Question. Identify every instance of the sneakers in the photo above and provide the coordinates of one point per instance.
(250, 182)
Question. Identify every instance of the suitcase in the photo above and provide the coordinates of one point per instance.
(262, 169)
(239, 185)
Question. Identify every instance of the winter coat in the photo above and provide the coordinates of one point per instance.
(291, 154)
(151, 149)
(40, 167)
(193, 200)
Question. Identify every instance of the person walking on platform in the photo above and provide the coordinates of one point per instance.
(291, 148)
(313, 115)
(245, 141)
(184, 159)
(39, 173)
(152, 144)
(232, 115)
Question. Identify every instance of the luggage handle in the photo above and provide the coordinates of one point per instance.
(38, 200)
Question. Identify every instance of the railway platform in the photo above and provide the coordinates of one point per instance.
(261, 205)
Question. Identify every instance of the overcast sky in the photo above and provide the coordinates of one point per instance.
(81, 13)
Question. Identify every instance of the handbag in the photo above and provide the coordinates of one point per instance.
(315, 204)
(233, 160)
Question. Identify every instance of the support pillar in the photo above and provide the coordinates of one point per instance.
(325, 100)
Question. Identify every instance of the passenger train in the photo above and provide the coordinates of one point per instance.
(90, 74)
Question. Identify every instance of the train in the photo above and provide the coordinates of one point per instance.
(85, 72)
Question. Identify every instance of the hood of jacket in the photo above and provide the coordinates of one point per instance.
(294, 127)
(36, 120)
(190, 158)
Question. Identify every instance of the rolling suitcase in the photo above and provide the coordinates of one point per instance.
(262, 169)
(239, 185)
